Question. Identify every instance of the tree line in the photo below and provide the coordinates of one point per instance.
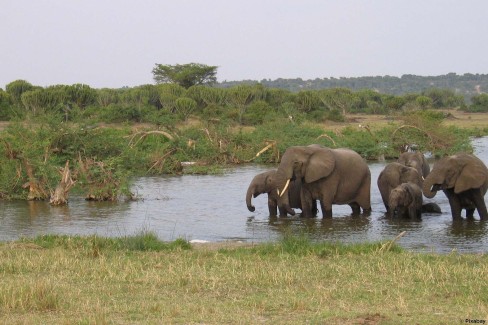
(243, 104)
(467, 85)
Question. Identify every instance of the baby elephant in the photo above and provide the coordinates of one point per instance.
(266, 183)
(406, 201)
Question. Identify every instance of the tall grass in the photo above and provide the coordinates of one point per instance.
(53, 279)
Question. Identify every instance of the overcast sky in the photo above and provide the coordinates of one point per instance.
(117, 43)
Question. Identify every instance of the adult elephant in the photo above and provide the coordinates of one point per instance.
(333, 176)
(266, 183)
(405, 201)
(393, 175)
(415, 160)
(464, 180)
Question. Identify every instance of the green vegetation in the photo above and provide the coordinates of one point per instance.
(466, 85)
(480, 104)
(108, 136)
(86, 280)
(185, 75)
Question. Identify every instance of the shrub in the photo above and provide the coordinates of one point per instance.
(479, 104)
(257, 112)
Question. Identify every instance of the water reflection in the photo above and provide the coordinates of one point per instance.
(213, 208)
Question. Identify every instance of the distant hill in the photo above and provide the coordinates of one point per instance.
(467, 84)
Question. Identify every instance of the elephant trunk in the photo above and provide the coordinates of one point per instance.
(249, 194)
(428, 187)
(283, 190)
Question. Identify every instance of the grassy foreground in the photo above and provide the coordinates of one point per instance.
(93, 280)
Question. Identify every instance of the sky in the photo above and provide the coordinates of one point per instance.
(114, 44)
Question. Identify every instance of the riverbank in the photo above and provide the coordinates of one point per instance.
(139, 280)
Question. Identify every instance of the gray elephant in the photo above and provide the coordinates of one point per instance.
(266, 183)
(333, 176)
(393, 175)
(405, 201)
(464, 180)
(415, 160)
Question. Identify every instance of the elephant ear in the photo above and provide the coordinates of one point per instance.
(321, 164)
(268, 180)
(473, 175)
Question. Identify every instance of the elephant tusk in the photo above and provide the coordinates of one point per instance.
(284, 188)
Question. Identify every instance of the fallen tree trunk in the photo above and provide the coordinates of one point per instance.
(60, 195)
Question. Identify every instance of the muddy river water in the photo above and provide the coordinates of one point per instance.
(212, 208)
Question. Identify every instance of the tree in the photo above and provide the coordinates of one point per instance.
(480, 103)
(186, 75)
(16, 88)
(341, 99)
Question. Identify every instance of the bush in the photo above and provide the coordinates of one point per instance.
(335, 115)
(257, 112)
(479, 104)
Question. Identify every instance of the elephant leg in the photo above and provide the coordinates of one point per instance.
(470, 213)
(326, 210)
(315, 209)
(272, 206)
(414, 213)
(283, 212)
(364, 196)
(367, 211)
(455, 203)
(356, 209)
(479, 202)
(307, 203)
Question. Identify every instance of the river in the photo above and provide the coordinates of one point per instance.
(212, 208)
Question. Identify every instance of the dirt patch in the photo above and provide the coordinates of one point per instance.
(3, 125)
(368, 319)
(214, 246)
(466, 120)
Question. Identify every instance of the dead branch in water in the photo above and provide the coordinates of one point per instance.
(60, 195)
(37, 190)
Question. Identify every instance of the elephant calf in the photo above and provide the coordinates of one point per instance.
(405, 201)
(266, 183)
(393, 175)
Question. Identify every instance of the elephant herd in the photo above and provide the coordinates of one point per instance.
(307, 174)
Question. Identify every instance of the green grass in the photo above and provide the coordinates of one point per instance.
(143, 241)
(140, 280)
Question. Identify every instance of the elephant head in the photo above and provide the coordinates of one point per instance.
(261, 183)
(415, 160)
(306, 164)
(459, 172)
